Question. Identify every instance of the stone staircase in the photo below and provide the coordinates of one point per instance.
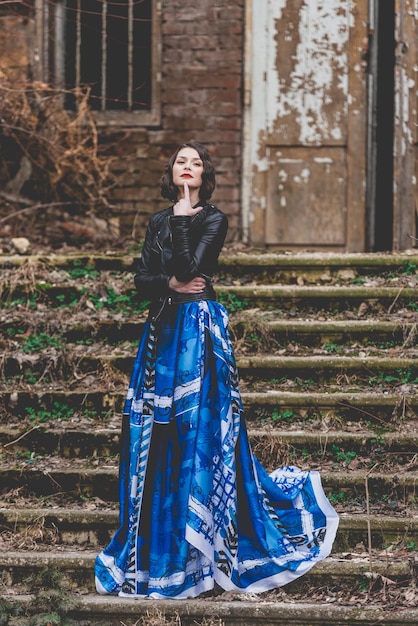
(327, 352)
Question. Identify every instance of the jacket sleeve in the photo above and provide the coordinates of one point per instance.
(149, 281)
(188, 259)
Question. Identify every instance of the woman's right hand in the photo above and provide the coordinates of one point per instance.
(184, 206)
(196, 285)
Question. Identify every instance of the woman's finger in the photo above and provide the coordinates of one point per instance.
(186, 192)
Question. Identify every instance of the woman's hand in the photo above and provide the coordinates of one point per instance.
(196, 285)
(184, 206)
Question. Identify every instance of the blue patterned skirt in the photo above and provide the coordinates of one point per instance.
(196, 506)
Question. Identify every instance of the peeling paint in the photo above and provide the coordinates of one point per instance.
(302, 118)
(322, 160)
(402, 111)
(319, 69)
(320, 66)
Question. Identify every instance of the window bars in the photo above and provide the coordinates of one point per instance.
(110, 46)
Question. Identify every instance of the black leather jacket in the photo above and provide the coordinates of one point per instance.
(180, 246)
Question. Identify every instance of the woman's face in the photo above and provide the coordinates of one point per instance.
(188, 167)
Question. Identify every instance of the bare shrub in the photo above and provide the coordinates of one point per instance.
(51, 163)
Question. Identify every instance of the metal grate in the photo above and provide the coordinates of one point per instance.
(103, 44)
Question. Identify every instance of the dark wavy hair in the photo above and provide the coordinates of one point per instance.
(169, 189)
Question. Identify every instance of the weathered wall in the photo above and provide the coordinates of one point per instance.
(201, 84)
(202, 51)
(201, 99)
(16, 34)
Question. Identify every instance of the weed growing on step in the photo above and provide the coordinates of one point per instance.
(343, 456)
(8, 611)
(13, 303)
(232, 302)
(58, 411)
(276, 381)
(403, 376)
(88, 341)
(69, 300)
(94, 415)
(51, 604)
(333, 348)
(14, 332)
(304, 384)
(378, 441)
(363, 584)
(409, 268)
(36, 343)
(79, 270)
(30, 377)
(282, 416)
(338, 497)
(381, 345)
(125, 303)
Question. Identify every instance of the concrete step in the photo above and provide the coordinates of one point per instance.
(314, 267)
(367, 333)
(236, 297)
(231, 610)
(325, 332)
(32, 528)
(268, 443)
(319, 368)
(272, 267)
(44, 478)
(266, 407)
(339, 571)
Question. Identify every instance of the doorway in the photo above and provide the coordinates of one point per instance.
(381, 85)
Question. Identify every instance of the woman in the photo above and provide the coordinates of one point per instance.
(196, 507)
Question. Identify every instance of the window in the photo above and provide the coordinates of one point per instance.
(111, 46)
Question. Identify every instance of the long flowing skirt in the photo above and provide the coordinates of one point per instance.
(196, 506)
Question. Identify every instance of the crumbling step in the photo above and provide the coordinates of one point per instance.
(271, 267)
(327, 445)
(44, 478)
(240, 611)
(289, 268)
(318, 368)
(281, 332)
(101, 262)
(330, 297)
(94, 528)
(333, 297)
(338, 572)
(268, 407)
(341, 332)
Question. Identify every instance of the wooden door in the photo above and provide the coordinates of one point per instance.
(304, 171)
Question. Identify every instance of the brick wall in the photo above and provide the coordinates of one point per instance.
(201, 95)
(201, 99)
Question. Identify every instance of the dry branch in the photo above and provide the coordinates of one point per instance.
(51, 161)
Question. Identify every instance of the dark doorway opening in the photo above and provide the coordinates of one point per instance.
(381, 121)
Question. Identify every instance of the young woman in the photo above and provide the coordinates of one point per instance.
(196, 506)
